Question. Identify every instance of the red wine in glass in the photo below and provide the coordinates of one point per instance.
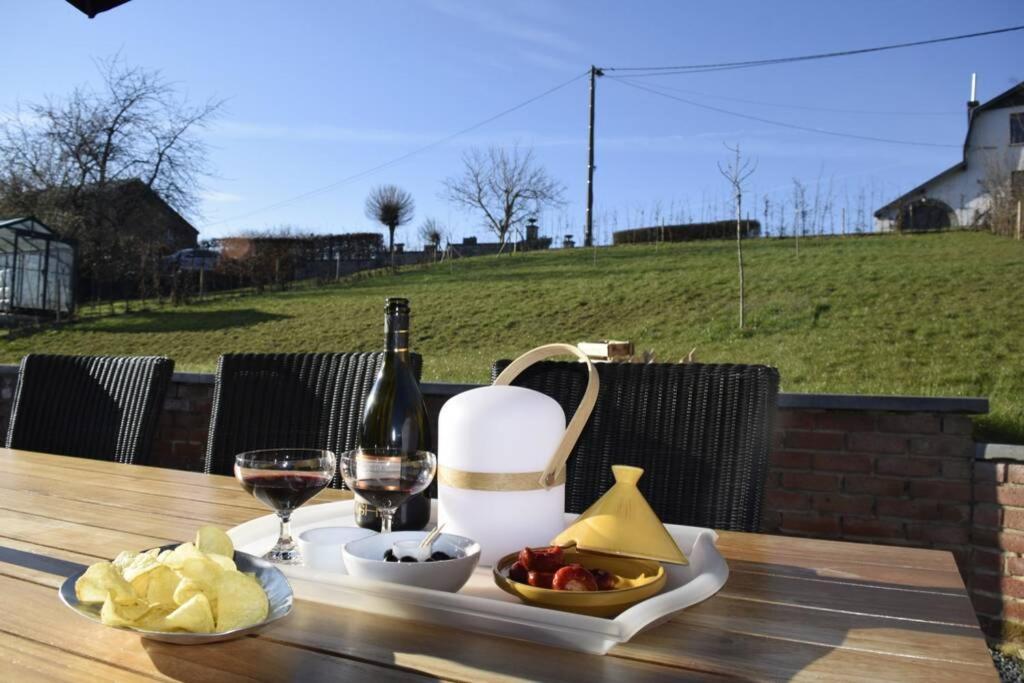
(283, 479)
(284, 491)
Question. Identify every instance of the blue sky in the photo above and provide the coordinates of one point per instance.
(320, 90)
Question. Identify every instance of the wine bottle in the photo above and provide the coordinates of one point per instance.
(395, 420)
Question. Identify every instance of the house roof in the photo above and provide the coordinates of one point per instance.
(1014, 97)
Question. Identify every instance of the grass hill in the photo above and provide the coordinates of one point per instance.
(937, 314)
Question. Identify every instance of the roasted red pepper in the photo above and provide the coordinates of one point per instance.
(542, 559)
(574, 577)
(541, 579)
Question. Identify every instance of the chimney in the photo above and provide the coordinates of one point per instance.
(973, 102)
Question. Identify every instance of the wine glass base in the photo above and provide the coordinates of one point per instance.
(284, 554)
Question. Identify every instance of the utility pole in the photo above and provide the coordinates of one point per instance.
(588, 237)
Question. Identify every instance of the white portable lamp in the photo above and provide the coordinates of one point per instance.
(501, 459)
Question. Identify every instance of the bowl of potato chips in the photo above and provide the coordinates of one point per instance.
(202, 591)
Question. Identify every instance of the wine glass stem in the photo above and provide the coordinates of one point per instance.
(386, 515)
(285, 537)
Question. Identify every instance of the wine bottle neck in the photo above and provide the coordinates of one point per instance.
(396, 328)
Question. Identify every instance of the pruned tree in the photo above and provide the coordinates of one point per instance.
(506, 186)
(68, 159)
(738, 171)
(390, 206)
(432, 233)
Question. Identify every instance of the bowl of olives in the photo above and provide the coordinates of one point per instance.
(397, 558)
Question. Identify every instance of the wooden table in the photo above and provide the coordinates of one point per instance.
(793, 608)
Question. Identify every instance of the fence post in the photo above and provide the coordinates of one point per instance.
(1018, 218)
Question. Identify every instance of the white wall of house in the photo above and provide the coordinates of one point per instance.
(989, 151)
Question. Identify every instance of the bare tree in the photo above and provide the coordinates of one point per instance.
(737, 172)
(68, 159)
(433, 233)
(505, 186)
(391, 206)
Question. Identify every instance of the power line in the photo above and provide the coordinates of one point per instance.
(401, 158)
(699, 68)
(782, 124)
(805, 107)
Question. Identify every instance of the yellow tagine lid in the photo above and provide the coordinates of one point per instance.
(621, 522)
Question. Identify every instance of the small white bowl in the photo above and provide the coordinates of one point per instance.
(321, 547)
(365, 559)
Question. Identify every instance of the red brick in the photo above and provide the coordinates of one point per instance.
(810, 481)
(842, 462)
(815, 441)
(872, 528)
(871, 442)
(796, 419)
(1014, 565)
(909, 423)
(1011, 586)
(988, 560)
(985, 493)
(1011, 542)
(943, 446)
(843, 421)
(792, 460)
(990, 471)
(878, 486)
(938, 533)
(987, 583)
(810, 523)
(904, 466)
(1013, 518)
(1006, 494)
(834, 502)
(957, 424)
(956, 468)
(1013, 609)
(908, 508)
(941, 490)
(987, 515)
(1014, 473)
(777, 499)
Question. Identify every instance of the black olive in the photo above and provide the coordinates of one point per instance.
(407, 558)
(389, 556)
(438, 555)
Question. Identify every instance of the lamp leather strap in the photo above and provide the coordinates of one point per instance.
(494, 481)
(555, 471)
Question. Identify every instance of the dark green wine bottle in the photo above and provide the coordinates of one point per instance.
(395, 418)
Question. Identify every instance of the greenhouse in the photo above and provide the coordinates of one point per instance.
(37, 269)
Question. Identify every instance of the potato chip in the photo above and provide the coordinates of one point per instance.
(163, 581)
(154, 620)
(99, 581)
(123, 559)
(139, 565)
(225, 562)
(113, 614)
(185, 591)
(183, 552)
(211, 539)
(241, 601)
(194, 616)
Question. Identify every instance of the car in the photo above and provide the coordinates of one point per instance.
(195, 258)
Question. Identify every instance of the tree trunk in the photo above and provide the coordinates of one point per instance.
(739, 251)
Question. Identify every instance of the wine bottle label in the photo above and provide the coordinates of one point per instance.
(378, 467)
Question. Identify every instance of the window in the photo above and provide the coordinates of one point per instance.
(1017, 128)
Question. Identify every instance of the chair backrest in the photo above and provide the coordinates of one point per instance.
(701, 432)
(289, 400)
(102, 407)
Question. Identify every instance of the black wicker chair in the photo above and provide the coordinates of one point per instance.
(101, 407)
(702, 433)
(289, 400)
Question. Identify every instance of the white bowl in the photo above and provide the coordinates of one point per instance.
(321, 547)
(365, 559)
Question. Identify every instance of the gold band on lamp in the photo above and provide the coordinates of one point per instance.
(494, 481)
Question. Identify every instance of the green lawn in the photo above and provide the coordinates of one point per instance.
(927, 314)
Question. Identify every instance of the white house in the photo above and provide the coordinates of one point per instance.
(957, 197)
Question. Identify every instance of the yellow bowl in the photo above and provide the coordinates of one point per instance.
(641, 579)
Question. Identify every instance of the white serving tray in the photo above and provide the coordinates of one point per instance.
(483, 607)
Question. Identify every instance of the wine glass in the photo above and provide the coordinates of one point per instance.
(283, 479)
(385, 478)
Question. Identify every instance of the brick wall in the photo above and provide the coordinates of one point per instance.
(891, 470)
